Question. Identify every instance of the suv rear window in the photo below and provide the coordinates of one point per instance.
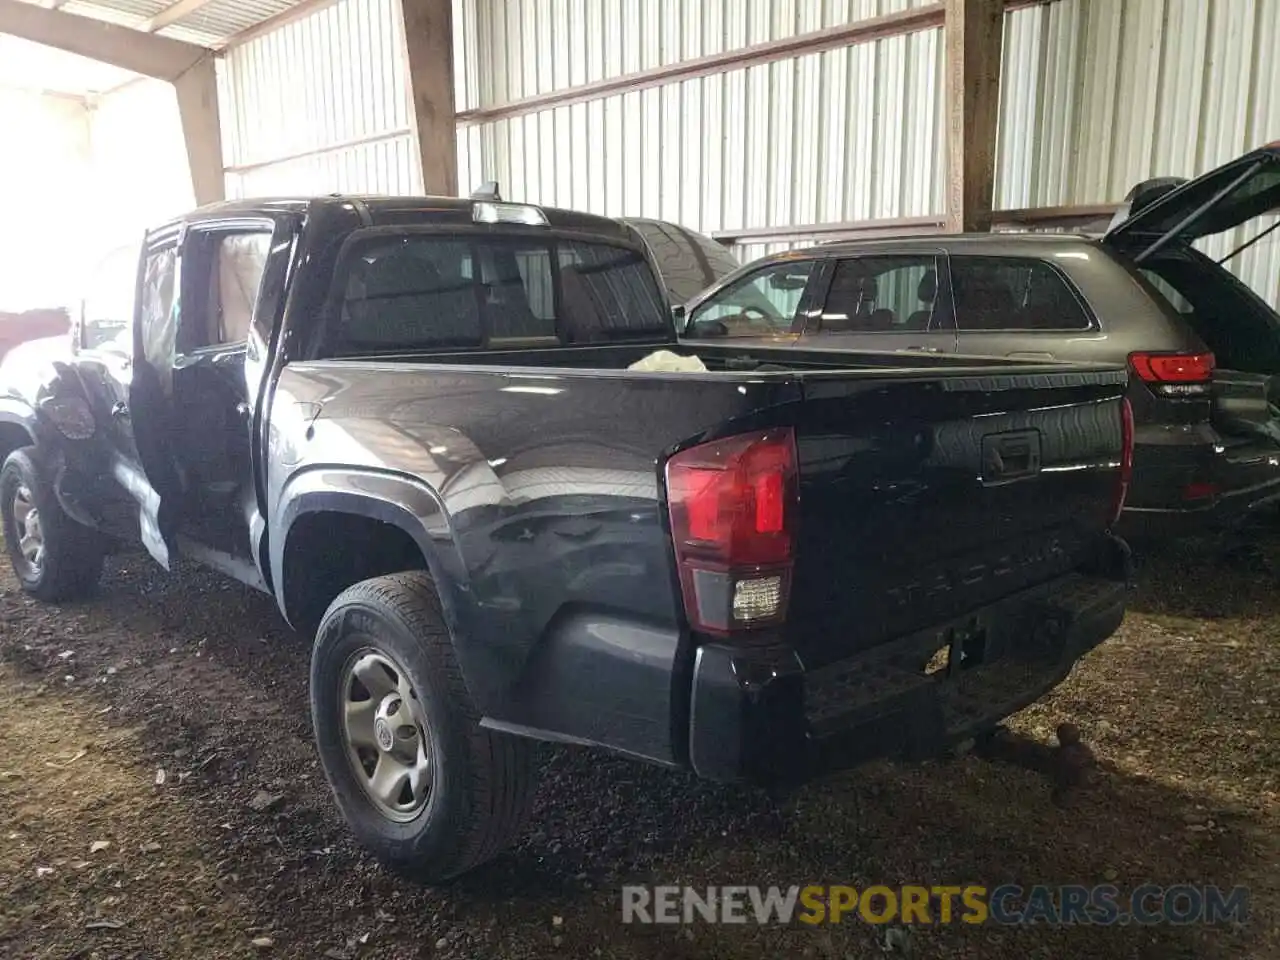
(425, 292)
(1227, 316)
(1010, 293)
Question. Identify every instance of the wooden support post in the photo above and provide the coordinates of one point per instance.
(428, 41)
(197, 91)
(974, 40)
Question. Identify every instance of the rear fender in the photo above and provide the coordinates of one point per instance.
(403, 502)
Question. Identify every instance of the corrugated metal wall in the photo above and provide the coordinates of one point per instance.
(1097, 95)
(321, 105)
(1100, 94)
(843, 135)
(528, 47)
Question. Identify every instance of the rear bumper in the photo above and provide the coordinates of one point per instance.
(759, 716)
(1233, 481)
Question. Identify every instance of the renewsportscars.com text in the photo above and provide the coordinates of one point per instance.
(1007, 904)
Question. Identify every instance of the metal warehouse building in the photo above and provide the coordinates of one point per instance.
(640, 479)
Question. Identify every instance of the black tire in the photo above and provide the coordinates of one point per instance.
(71, 563)
(482, 782)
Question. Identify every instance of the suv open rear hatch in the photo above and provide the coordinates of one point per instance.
(1219, 200)
(1173, 212)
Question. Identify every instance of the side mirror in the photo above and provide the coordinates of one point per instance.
(679, 317)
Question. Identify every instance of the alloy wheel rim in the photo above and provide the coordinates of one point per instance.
(385, 735)
(27, 526)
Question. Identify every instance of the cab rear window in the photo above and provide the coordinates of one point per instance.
(429, 292)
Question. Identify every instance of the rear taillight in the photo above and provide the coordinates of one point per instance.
(733, 506)
(1126, 460)
(1174, 374)
(1200, 490)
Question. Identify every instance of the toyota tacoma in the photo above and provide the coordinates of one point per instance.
(413, 423)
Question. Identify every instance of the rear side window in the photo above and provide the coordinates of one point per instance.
(221, 273)
(1009, 293)
(241, 260)
(881, 295)
(432, 292)
(608, 293)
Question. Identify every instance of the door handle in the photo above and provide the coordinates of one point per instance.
(119, 410)
(926, 349)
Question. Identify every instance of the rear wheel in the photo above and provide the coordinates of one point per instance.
(422, 786)
(53, 557)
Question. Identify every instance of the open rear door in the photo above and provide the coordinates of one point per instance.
(1226, 197)
(146, 468)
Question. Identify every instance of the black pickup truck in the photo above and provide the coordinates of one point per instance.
(412, 421)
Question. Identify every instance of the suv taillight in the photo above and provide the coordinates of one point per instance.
(1174, 374)
(1126, 460)
(733, 506)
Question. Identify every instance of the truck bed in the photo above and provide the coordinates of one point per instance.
(925, 491)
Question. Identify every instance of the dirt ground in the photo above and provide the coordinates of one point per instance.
(160, 797)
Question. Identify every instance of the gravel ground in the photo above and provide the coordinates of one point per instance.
(160, 797)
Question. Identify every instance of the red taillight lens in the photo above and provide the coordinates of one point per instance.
(1174, 374)
(1126, 460)
(1200, 490)
(1173, 367)
(733, 509)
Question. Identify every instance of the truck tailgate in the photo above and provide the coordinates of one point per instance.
(921, 499)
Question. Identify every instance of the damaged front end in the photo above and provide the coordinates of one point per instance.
(78, 456)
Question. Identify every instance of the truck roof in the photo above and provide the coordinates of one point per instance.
(389, 210)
